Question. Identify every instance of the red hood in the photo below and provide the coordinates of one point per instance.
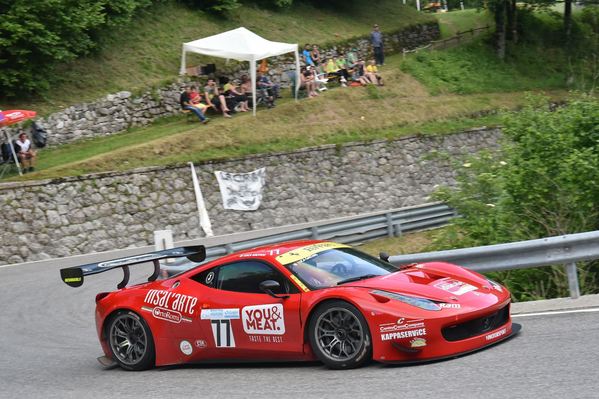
(436, 281)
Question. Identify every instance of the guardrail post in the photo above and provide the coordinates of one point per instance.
(390, 232)
(314, 233)
(163, 239)
(397, 229)
(573, 280)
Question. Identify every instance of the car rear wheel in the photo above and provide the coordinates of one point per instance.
(130, 341)
(339, 335)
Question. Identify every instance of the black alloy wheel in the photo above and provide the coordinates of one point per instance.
(339, 335)
(130, 341)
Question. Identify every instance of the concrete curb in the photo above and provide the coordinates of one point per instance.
(557, 304)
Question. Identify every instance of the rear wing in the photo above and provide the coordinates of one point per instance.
(73, 276)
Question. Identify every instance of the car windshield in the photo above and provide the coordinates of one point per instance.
(338, 266)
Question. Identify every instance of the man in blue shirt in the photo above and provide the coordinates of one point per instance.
(307, 56)
(376, 38)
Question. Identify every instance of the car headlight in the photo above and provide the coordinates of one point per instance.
(410, 300)
(495, 285)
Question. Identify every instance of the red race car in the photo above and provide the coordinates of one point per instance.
(301, 300)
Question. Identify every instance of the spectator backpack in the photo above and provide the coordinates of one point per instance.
(39, 135)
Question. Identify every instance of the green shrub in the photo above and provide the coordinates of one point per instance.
(544, 182)
(35, 35)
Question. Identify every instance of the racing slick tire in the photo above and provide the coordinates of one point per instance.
(130, 341)
(339, 335)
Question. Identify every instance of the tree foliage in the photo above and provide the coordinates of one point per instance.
(543, 182)
(35, 35)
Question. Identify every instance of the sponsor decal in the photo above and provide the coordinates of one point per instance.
(303, 253)
(263, 319)
(137, 259)
(166, 314)
(450, 305)
(185, 347)
(219, 314)
(209, 278)
(169, 300)
(72, 279)
(299, 282)
(456, 287)
(404, 334)
(418, 342)
(200, 343)
(401, 325)
(222, 331)
(496, 334)
(268, 339)
(270, 252)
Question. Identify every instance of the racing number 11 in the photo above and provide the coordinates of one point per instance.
(222, 329)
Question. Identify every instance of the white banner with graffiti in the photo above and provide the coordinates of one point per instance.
(241, 191)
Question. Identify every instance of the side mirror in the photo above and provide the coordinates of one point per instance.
(269, 286)
(384, 256)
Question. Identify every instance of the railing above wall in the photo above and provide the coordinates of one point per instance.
(562, 250)
(347, 230)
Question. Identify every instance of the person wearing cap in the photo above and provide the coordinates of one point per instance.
(376, 38)
(25, 153)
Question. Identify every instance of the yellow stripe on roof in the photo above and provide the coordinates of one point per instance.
(305, 252)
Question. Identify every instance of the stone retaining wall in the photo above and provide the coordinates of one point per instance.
(100, 212)
(117, 112)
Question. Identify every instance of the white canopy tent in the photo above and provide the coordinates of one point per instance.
(242, 45)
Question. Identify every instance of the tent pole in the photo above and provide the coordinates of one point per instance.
(183, 62)
(254, 88)
(14, 154)
(297, 74)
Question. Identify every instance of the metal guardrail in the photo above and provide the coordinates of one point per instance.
(561, 250)
(349, 230)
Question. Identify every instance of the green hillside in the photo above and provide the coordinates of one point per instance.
(147, 52)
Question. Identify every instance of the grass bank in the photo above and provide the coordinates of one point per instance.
(402, 107)
(147, 52)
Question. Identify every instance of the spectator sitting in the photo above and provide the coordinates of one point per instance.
(232, 90)
(25, 153)
(186, 104)
(372, 72)
(307, 56)
(196, 99)
(315, 55)
(358, 74)
(215, 99)
(307, 81)
(333, 70)
(269, 88)
(352, 58)
(246, 87)
(342, 65)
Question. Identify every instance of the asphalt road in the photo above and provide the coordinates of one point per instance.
(49, 347)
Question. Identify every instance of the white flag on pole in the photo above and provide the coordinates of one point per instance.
(241, 191)
(202, 212)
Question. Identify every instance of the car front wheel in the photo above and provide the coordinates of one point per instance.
(339, 335)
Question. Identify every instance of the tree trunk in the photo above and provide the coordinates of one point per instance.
(568, 20)
(500, 27)
(568, 37)
(513, 21)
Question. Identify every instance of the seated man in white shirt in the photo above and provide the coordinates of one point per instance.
(25, 153)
